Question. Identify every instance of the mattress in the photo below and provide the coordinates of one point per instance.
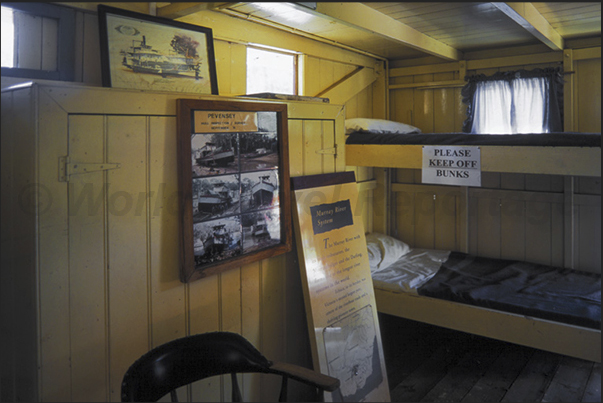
(565, 139)
(535, 290)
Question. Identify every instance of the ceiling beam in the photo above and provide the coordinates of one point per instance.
(179, 10)
(358, 15)
(526, 15)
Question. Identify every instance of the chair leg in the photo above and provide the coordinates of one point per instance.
(283, 395)
(236, 393)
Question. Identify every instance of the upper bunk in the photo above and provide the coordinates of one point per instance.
(574, 154)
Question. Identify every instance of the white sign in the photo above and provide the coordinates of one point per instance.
(452, 165)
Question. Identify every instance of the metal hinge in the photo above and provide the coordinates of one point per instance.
(332, 151)
(68, 168)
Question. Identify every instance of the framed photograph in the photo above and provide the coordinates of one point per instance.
(144, 52)
(234, 179)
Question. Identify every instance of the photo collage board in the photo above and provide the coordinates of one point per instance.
(235, 175)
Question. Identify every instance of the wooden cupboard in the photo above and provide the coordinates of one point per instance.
(90, 241)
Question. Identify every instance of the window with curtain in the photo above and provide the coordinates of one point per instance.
(514, 102)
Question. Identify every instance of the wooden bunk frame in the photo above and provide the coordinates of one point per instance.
(575, 341)
(561, 338)
(576, 161)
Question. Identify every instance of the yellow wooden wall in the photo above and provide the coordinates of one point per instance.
(519, 216)
(107, 289)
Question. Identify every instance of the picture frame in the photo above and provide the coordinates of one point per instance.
(144, 52)
(233, 170)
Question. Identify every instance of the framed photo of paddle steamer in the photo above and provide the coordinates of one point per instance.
(234, 181)
(144, 52)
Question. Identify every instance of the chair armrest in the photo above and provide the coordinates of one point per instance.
(305, 375)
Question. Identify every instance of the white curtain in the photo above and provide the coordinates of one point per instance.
(511, 107)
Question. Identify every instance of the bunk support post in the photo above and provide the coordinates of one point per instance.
(382, 211)
(568, 91)
(569, 214)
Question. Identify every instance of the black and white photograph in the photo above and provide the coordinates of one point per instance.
(217, 240)
(215, 197)
(259, 150)
(261, 229)
(214, 154)
(259, 190)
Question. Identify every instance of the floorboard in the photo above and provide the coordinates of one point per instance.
(427, 363)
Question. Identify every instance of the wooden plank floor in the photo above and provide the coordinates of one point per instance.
(430, 364)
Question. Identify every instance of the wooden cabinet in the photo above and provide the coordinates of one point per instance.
(90, 241)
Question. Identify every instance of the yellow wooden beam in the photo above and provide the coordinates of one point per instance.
(178, 10)
(349, 87)
(361, 16)
(526, 15)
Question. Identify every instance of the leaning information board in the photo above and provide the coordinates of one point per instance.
(338, 289)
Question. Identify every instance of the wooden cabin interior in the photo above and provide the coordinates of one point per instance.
(90, 283)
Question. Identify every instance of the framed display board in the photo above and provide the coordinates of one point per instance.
(234, 180)
(145, 52)
(338, 288)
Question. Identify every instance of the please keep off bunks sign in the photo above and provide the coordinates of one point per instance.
(452, 165)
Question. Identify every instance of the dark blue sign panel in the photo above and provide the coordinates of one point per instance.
(327, 217)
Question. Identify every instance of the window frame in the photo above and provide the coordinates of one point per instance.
(65, 42)
(296, 65)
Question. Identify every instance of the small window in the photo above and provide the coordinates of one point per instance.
(515, 102)
(271, 71)
(37, 41)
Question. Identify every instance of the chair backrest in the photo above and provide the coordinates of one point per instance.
(186, 360)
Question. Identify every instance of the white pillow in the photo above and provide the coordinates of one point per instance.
(378, 126)
(383, 250)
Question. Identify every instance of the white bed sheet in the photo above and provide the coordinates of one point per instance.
(410, 271)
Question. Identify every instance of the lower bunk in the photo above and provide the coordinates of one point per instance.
(543, 307)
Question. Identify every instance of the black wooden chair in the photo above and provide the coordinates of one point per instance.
(183, 361)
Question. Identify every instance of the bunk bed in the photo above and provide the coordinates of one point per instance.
(539, 306)
(387, 144)
(390, 144)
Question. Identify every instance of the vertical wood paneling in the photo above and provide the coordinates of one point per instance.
(91, 74)
(296, 139)
(87, 263)
(54, 253)
(445, 223)
(250, 323)
(311, 84)
(19, 358)
(488, 228)
(512, 227)
(168, 300)
(425, 220)
(204, 316)
(313, 142)
(589, 237)
(50, 36)
(423, 106)
(272, 320)
(128, 259)
(588, 95)
(443, 105)
(538, 232)
(405, 217)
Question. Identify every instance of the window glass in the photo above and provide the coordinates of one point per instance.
(38, 41)
(270, 71)
(8, 37)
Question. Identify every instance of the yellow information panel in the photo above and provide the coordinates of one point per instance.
(338, 289)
